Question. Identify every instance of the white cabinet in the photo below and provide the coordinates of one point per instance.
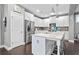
(38, 45)
(29, 16)
(41, 22)
(42, 46)
(17, 29)
(60, 21)
(63, 21)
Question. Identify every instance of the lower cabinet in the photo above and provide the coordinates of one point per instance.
(38, 45)
(42, 46)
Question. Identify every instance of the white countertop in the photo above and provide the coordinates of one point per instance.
(51, 35)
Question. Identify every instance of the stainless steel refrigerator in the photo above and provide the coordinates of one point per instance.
(28, 31)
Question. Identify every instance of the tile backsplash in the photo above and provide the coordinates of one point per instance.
(63, 28)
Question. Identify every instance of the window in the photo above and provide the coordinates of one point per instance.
(77, 18)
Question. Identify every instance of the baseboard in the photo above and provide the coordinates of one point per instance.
(5, 47)
(1, 46)
(16, 46)
(9, 48)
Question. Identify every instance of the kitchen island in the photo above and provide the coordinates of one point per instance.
(40, 45)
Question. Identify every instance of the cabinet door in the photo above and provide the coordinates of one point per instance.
(17, 29)
(38, 45)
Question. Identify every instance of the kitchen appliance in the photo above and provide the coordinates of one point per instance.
(28, 31)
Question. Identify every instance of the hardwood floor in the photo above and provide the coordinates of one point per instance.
(70, 49)
(3, 51)
(21, 50)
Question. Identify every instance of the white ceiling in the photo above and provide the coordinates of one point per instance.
(44, 10)
(77, 10)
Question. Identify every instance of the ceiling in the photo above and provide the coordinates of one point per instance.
(73, 8)
(44, 10)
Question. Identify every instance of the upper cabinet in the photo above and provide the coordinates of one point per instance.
(60, 21)
(41, 22)
(29, 16)
(38, 22)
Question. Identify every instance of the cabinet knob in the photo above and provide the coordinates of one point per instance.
(37, 41)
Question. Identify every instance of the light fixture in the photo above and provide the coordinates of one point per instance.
(37, 10)
(52, 13)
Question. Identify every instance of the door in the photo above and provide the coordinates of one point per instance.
(17, 29)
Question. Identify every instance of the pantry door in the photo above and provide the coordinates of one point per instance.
(17, 29)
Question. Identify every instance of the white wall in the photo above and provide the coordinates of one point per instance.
(7, 14)
(71, 27)
(1, 24)
(2, 39)
(76, 25)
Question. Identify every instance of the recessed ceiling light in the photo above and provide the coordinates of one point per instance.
(52, 13)
(37, 10)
